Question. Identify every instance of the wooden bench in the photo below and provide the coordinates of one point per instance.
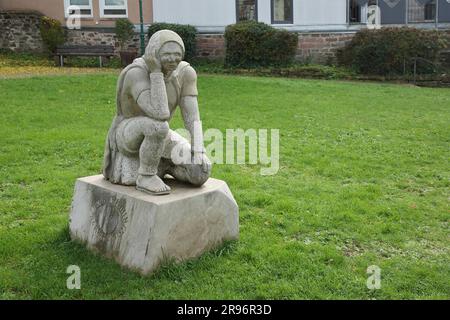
(85, 51)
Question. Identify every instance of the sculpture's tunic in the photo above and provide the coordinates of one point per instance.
(121, 166)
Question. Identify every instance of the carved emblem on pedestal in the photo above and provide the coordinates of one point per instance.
(109, 217)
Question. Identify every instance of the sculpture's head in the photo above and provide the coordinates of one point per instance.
(168, 48)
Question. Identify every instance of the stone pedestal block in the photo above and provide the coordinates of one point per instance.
(141, 231)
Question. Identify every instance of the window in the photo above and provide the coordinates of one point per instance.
(430, 11)
(359, 9)
(393, 11)
(85, 7)
(113, 8)
(246, 10)
(354, 12)
(422, 11)
(282, 12)
(444, 11)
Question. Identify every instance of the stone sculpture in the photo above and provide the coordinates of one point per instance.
(140, 144)
(142, 230)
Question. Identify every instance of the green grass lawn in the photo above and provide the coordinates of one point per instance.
(364, 180)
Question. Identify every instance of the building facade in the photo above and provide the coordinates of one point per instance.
(19, 21)
(212, 16)
(323, 25)
(94, 13)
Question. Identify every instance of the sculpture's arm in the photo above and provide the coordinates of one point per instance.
(191, 118)
(190, 111)
(150, 94)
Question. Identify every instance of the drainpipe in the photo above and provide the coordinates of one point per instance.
(407, 12)
(437, 14)
(142, 28)
(348, 14)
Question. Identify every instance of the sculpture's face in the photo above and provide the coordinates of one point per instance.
(170, 56)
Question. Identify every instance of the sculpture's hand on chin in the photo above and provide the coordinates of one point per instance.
(154, 65)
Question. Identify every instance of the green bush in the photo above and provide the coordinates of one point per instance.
(124, 31)
(255, 44)
(52, 33)
(186, 32)
(390, 51)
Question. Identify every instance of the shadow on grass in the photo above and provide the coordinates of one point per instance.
(170, 268)
(103, 276)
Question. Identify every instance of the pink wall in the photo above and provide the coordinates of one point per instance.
(55, 9)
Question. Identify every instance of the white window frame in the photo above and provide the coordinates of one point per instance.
(104, 7)
(90, 7)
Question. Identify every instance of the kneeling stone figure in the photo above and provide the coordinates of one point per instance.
(140, 146)
(139, 231)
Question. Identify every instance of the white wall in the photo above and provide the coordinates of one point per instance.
(214, 15)
(264, 11)
(310, 12)
(202, 13)
(318, 12)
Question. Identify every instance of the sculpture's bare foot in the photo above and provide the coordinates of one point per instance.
(152, 185)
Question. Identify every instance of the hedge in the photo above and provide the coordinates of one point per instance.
(256, 44)
(187, 32)
(389, 51)
(52, 33)
(124, 30)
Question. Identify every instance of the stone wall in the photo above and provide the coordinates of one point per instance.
(20, 31)
(321, 47)
(315, 47)
(100, 36)
(211, 46)
(208, 45)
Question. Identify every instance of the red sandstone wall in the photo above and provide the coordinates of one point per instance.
(315, 47)
(211, 46)
(321, 47)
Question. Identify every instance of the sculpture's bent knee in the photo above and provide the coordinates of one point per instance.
(156, 128)
(162, 129)
(197, 176)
